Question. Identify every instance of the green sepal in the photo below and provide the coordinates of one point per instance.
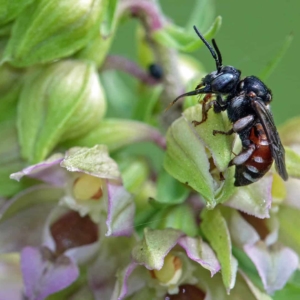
(189, 150)
(58, 102)
(152, 250)
(176, 37)
(216, 231)
(9, 10)
(94, 161)
(49, 30)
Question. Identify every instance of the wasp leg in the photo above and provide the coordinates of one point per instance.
(238, 126)
(243, 156)
(206, 106)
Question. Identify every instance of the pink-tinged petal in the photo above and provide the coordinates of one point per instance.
(241, 232)
(274, 264)
(23, 217)
(45, 274)
(131, 279)
(11, 285)
(48, 171)
(155, 246)
(110, 259)
(120, 211)
(254, 199)
(201, 253)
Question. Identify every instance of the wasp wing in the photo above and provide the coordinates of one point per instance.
(277, 150)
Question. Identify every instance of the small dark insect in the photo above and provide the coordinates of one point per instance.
(155, 71)
(247, 104)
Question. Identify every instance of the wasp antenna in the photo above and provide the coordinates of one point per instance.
(218, 51)
(192, 93)
(212, 51)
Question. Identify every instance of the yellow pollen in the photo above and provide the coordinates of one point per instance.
(169, 271)
(87, 187)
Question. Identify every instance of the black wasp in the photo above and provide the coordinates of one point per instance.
(247, 104)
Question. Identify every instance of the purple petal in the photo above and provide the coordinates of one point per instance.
(45, 274)
(11, 285)
(48, 171)
(254, 199)
(200, 252)
(120, 212)
(23, 217)
(274, 264)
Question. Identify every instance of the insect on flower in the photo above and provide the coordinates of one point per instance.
(247, 104)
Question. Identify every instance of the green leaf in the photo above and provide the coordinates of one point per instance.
(59, 102)
(216, 231)
(292, 161)
(169, 190)
(177, 37)
(267, 71)
(49, 30)
(202, 15)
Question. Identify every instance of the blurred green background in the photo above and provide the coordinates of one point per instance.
(252, 33)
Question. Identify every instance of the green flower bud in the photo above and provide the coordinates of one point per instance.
(58, 102)
(48, 30)
(9, 10)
